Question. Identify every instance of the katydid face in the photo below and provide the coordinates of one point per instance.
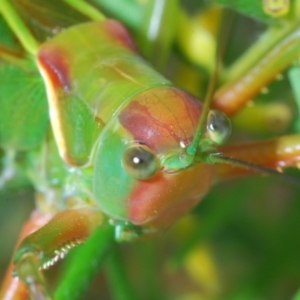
(132, 182)
(138, 123)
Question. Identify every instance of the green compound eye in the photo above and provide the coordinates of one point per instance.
(218, 126)
(139, 162)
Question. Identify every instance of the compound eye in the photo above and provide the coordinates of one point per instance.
(218, 126)
(139, 162)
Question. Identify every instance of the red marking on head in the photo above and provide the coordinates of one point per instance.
(164, 198)
(55, 62)
(118, 34)
(162, 118)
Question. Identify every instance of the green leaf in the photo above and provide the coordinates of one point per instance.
(250, 8)
(24, 109)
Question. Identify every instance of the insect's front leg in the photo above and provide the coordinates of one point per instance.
(43, 248)
(57, 190)
(13, 287)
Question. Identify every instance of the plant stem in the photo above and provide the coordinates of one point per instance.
(86, 9)
(84, 264)
(128, 12)
(117, 277)
(18, 26)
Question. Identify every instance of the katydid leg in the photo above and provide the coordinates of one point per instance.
(47, 245)
(232, 96)
(275, 153)
(13, 288)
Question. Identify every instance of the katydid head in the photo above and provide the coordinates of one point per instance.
(143, 171)
(146, 168)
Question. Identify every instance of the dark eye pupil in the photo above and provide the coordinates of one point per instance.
(213, 126)
(139, 162)
(140, 157)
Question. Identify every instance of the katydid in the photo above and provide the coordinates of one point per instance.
(129, 148)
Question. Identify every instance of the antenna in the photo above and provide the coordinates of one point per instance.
(220, 158)
(208, 152)
(201, 128)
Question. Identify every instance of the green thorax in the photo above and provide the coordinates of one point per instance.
(90, 71)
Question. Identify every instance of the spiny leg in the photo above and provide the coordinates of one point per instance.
(12, 287)
(235, 94)
(275, 153)
(43, 248)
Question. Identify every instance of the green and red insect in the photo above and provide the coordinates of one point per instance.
(127, 146)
